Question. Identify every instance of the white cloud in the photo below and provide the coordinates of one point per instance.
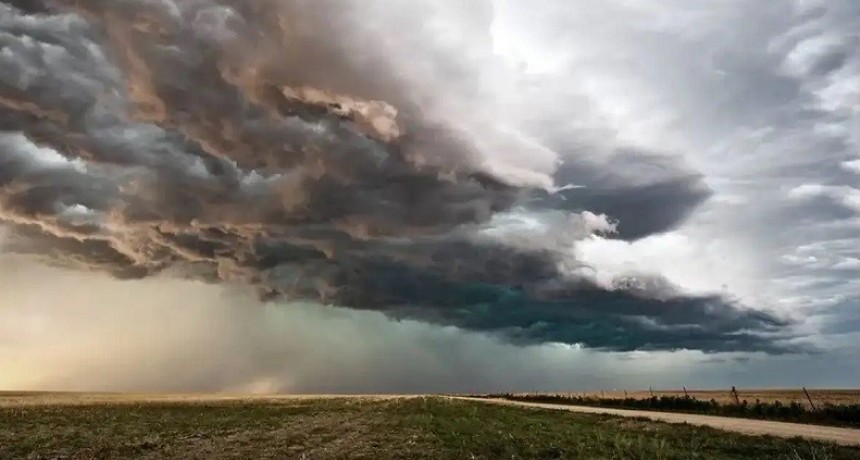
(851, 165)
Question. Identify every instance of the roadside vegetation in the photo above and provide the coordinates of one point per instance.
(827, 414)
(370, 428)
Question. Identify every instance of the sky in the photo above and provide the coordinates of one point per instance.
(428, 196)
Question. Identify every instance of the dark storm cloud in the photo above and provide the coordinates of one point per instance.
(236, 142)
(645, 193)
(29, 6)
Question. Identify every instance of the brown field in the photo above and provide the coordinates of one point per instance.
(819, 396)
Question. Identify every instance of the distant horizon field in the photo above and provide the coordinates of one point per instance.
(37, 398)
(785, 395)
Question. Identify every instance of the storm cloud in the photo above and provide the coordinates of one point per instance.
(332, 152)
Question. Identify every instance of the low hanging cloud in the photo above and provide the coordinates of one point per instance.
(298, 149)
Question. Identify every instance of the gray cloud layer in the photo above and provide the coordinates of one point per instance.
(283, 145)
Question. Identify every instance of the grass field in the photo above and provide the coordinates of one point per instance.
(68, 426)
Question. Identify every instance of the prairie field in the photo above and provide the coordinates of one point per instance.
(114, 426)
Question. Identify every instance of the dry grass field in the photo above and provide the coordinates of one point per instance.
(114, 426)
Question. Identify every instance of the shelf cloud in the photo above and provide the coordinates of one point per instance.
(339, 153)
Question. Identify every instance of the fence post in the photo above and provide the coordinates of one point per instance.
(811, 404)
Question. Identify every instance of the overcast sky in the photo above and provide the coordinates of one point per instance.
(393, 196)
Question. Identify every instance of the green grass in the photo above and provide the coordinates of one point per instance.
(360, 428)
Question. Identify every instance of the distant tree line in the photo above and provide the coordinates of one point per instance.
(826, 414)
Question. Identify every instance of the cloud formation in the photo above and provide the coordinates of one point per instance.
(337, 153)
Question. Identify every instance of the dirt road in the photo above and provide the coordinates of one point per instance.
(844, 436)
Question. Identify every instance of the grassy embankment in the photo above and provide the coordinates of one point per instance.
(833, 407)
